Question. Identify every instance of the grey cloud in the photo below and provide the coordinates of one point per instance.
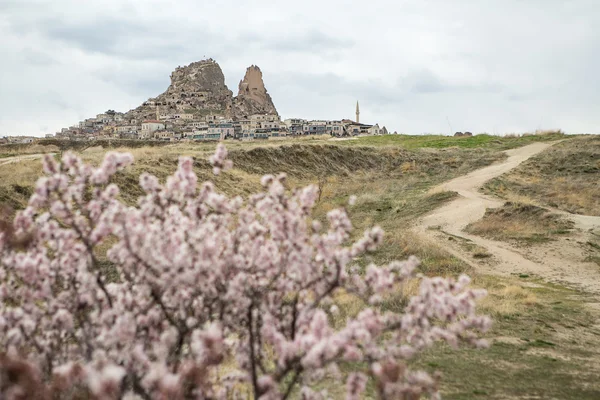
(132, 39)
(105, 35)
(310, 41)
(35, 57)
(490, 66)
(329, 84)
(517, 97)
(126, 38)
(378, 92)
(149, 84)
(422, 81)
(13, 5)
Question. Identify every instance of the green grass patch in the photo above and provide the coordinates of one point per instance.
(541, 351)
(441, 141)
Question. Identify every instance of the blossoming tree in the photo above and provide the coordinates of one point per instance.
(205, 296)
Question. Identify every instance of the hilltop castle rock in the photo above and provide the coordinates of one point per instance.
(198, 106)
(252, 96)
(199, 88)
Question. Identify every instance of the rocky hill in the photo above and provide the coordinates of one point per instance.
(199, 88)
(252, 95)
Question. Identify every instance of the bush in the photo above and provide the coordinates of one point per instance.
(205, 296)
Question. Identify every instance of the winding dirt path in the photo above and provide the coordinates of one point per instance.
(10, 160)
(561, 261)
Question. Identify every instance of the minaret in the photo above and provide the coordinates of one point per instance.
(157, 113)
(357, 113)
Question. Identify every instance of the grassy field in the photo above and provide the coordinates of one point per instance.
(566, 176)
(304, 163)
(521, 224)
(546, 344)
(403, 141)
(545, 347)
(441, 142)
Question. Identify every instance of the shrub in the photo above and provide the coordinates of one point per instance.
(205, 296)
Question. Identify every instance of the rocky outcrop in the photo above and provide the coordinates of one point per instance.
(252, 96)
(199, 88)
(201, 85)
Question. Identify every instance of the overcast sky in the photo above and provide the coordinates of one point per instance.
(418, 66)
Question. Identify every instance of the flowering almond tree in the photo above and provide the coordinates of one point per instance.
(205, 296)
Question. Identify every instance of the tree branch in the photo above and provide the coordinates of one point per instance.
(291, 385)
(252, 355)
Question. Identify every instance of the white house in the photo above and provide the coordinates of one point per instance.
(127, 128)
(375, 130)
(150, 126)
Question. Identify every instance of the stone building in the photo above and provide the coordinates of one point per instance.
(149, 127)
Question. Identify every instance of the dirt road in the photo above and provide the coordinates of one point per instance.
(10, 160)
(562, 260)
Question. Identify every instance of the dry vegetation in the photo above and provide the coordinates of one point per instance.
(593, 247)
(545, 342)
(520, 223)
(17, 150)
(566, 176)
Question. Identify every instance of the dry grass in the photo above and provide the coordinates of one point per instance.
(521, 223)
(12, 151)
(565, 176)
(546, 132)
(344, 168)
(392, 185)
(507, 298)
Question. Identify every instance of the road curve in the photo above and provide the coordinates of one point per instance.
(559, 261)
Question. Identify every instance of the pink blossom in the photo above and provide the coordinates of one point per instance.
(193, 279)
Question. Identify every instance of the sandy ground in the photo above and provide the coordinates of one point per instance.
(561, 261)
(10, 160)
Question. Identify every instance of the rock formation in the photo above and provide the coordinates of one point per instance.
(199, 88)
(200, 84)
(252, 96)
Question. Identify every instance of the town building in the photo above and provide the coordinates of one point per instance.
(315, 127)
(183, 124)
(149, 127)
(294, 125)
(128, 128)
(334, 128)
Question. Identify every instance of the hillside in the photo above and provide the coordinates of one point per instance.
(392, 178)
(565, 176)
